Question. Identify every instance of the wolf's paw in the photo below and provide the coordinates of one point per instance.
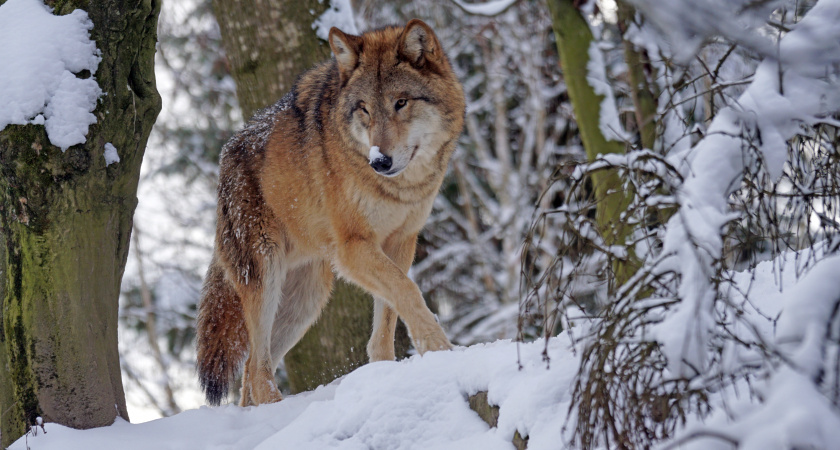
(432, 342)
(378, 351)
(268, 394)
(259, 390)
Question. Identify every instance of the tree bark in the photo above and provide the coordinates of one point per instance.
(573, 40)
(65, 224)
(642, 90)
(269, 43)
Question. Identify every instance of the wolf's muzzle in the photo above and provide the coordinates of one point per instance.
(382, 164)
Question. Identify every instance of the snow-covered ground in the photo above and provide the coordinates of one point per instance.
(421, 402)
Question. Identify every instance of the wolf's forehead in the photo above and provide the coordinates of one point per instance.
(382, 56)
(388, 78)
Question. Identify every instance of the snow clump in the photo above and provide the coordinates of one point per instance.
(40, 54)
(111, 155)
(374, 154)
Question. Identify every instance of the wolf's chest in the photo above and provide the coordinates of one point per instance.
(385, 217)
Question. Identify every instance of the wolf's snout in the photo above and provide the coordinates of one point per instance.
(382, 163)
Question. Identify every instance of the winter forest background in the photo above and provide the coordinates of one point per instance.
(669, 207)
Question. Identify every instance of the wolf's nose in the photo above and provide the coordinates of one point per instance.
(381, 164)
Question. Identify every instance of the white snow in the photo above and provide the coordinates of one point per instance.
(374, 154)
(596, 76)
(339, 15)
(422, 402)
(111, 155)
(717, 163)
(417, 403)
(793, 412)
(490, 8)
(40, 54)
(687, 23)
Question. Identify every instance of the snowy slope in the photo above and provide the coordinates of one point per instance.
(422, 402)
(418, 403)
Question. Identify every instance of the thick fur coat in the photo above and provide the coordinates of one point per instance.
(339, 176)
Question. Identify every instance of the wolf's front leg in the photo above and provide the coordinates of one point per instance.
(400, 248)
(364, 263)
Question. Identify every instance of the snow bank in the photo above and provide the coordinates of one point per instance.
(789, 410)
(422, 402)
(40, 54)
(417, 403)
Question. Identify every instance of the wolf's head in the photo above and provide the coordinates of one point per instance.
(400, 101)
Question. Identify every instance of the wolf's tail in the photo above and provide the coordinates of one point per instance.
(221, 336)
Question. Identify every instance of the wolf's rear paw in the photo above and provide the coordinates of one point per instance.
(269, 394)
(259, 390)
(380, 351)
(432, 342)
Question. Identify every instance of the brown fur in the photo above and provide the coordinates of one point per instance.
(298, 199)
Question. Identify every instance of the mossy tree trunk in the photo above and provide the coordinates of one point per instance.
(573, 41)
(269, 44)
(65, 223)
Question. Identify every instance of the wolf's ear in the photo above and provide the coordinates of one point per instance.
(346, 49)
(418, 44)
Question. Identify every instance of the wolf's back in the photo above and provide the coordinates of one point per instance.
(221, 336)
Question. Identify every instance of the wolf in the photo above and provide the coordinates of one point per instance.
(338, 177)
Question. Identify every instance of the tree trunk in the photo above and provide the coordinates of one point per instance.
(642, 90)
(269, 44)
(65, 223)
(573, 40)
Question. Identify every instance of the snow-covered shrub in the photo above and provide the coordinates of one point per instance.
(744, 169)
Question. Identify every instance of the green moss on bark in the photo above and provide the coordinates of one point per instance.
(332, 347)
(336, 344)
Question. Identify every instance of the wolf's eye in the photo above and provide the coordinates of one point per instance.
(361, 106)
(400, 103)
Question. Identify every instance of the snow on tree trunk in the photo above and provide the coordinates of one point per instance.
(65, 223)
(574, 43)
(641, 89)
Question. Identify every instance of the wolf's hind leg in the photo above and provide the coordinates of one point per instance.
(381, 344)
(305, 294)
(258, 384)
